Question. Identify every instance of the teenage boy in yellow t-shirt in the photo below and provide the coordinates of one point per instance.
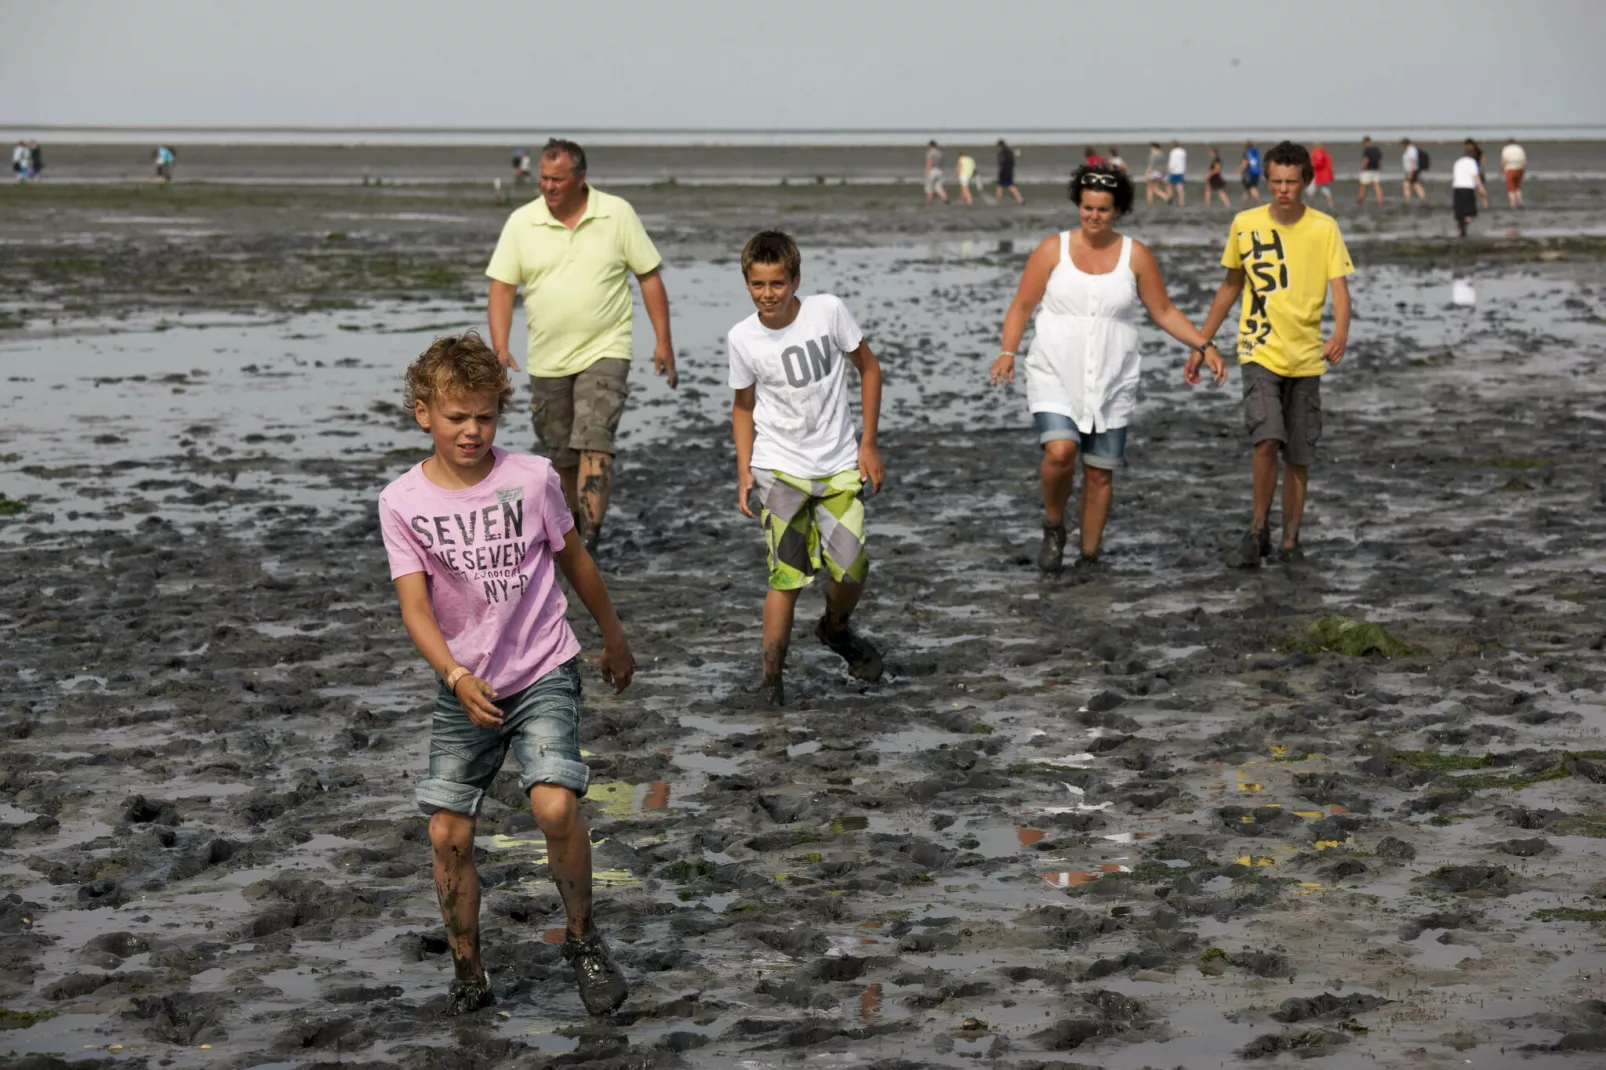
(1290, 255)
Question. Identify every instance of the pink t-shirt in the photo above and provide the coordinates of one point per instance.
(486, 552)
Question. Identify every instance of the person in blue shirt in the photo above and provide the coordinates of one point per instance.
(162, 156)
(1249, 172)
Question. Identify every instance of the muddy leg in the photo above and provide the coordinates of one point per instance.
(779, 607)
(457, 886)
(1096, 493)
(1058, 471)
(595, 488)
(1294, 481)
(1265, 483)
(840, 599)
(568, 851)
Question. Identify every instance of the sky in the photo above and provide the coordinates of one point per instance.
(821, 64)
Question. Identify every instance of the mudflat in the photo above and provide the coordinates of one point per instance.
(1165, 815)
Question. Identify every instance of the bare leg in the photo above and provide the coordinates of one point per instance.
(1096, 493)
(569, 478)
(1378, 186)
(1329, 194)
(1182, 195)
(1265, 483)
(568, 852)
(1018, 198)
(841, 597)
(1294, 481)
(457, 887)
(779, 607)
(1058, 471)
(596, 487)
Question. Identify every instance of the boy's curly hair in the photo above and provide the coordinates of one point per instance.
(457, 364)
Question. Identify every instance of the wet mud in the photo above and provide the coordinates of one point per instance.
(1343, 814)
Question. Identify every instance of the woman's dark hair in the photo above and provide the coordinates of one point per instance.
(1290, 154)
(1098, 180)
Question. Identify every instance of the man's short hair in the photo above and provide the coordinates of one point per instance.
(562, 146)
(1291, 154)
(772, 247)
(455, 365)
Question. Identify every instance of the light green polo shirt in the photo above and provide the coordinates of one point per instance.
(576, 282)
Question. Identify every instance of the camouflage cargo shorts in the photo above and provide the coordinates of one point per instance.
(579, 412)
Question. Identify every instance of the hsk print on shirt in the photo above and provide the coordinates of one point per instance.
(484, 546)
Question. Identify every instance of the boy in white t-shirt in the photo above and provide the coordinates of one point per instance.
(795, 443)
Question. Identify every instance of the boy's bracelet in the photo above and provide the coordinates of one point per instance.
(454, 676)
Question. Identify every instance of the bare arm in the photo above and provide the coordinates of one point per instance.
(1033, 281)
(1232, 288)
(743, 431)
(418, 617)
(870, 398)
(617, 664)
(1169, 318)
(656, 298)
(1334, 350)
(499, 313)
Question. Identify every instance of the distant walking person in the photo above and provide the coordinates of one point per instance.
(1466, 189)
(934, 187)
(1248, 173)
(573, 250)
(1411, 167)
(36, 159)
(1476, 152)
(1006, 174)
(1215, 182)
(1154, 175)
(521, 167)
(964, 174)
(21, 160)
(1322, 168)
(163, 158)
(1082, 371)
(1290, 256)
(1115, 160)
(1177, 172)
(1514, 162)
(1371, 171)
(1091, 157)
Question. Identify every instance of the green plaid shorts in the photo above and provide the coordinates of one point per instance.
(812, 522)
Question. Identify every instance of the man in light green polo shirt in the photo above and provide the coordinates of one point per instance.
(573, 251)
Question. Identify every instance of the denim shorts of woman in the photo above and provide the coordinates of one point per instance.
(540, 723)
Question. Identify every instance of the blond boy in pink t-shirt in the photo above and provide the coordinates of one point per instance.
(473, 533)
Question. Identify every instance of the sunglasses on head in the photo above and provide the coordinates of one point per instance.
(1107, 181)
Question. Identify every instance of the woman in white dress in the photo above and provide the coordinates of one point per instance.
(1082, 370)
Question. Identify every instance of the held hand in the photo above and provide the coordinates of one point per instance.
(618, 664)
(1003, 370)
(478, 701)
(663, 363)
(744, 490)
(1217, 366)
(505, 358)
(870, 467)
(1333, 351)
(1190, 370)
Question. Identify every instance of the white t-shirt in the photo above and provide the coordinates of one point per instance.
(1410, 160)
(1464, 173)
(800, 413)
(1178, 161)
(1512, 158)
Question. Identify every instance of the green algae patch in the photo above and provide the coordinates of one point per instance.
(11, 507)
(1434, 762)
(10, 1019)
(1590, 917)
(1345, 635)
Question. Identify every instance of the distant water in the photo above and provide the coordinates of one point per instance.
(797, 137)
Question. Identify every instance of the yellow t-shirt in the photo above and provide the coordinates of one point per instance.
(576, 282)
(1287, 269)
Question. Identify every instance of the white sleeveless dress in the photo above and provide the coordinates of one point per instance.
(1084, 359)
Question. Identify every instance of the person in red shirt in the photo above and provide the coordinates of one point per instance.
(1091, 158)
(1322, 164)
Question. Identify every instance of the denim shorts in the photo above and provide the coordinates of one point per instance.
(1099, 449)
(542, 726)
